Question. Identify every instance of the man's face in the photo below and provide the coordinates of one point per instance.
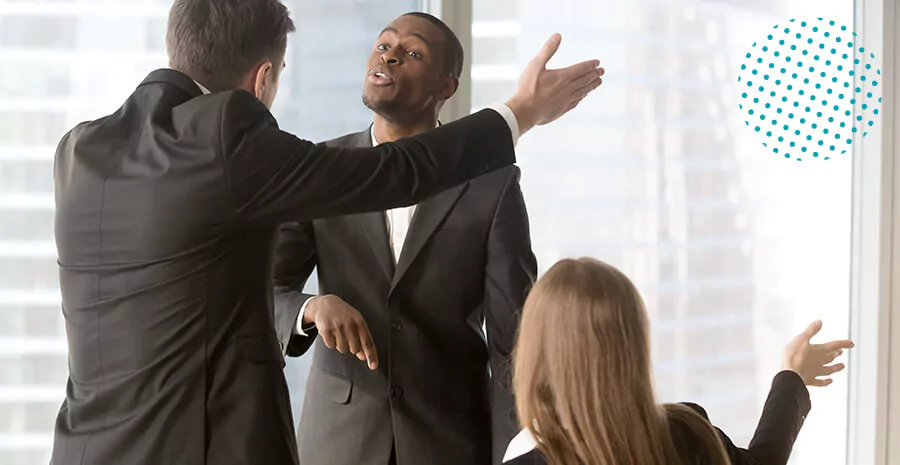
(404, 71)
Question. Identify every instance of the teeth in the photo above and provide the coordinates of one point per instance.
(381, 75)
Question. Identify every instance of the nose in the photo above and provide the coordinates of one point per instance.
(389, 59)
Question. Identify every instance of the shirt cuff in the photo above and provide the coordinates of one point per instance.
(510, 119)
(298, 328)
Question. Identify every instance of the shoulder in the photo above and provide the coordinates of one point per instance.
(355, 139)
(503, 180)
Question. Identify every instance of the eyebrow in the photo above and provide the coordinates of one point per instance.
(395, 31)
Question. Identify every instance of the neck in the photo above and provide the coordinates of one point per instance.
(390, 130)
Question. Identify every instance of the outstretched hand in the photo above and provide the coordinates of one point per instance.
(544, 95)
(811, 361)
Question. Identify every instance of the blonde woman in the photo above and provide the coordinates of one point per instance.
(583, 382)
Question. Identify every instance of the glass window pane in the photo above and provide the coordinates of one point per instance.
(734, 249)
(63, 62)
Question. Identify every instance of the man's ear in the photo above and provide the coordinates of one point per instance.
(260, 83)
(448, 87)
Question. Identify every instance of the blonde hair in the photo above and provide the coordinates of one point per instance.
(582, 374)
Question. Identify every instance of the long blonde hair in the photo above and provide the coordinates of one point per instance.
(582, 374)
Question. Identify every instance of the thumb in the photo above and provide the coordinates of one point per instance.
(547, 52)
(812, 329)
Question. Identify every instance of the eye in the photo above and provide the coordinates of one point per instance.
(381, 48)
(415, 55)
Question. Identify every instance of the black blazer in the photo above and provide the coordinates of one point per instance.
(782, 417)
(466, 260)
(166, 219)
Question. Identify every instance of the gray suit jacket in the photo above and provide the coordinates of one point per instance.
(466, 261)
(167, 213)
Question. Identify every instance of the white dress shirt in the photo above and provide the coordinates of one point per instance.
(399, 219)
(522, 444)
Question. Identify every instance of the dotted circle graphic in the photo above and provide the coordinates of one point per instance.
(809, 88)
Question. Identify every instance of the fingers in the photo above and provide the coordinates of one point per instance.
(834, 346)
(830, 356)
(362, 345)
(579, 70)
(352, 335)
(340, 342)
(583, 91)
(547, 51)
(830, 369)
(819, 382)
(586, 80)
(368, 347)
(327, 338)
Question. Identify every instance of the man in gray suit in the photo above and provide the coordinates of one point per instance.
(423, 279)
(166, 218)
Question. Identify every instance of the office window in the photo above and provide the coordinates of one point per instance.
(66, 61)
(734, 249)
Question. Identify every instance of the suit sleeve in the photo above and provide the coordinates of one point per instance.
(295, 259)
(274, 177)
(782, 417)
(510, 271)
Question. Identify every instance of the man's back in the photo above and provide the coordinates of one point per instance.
(166, 219)
(172, 351)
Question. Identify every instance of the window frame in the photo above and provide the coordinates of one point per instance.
(458, 15)
(874, 365)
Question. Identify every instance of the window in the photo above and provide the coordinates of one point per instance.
(63, 62)
(734, 249)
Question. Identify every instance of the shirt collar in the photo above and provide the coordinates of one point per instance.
(375, 142)
(522, 444)
(202, 89)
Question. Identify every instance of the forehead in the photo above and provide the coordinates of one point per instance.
(411, 26)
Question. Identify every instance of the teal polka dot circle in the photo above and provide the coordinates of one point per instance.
(815, 69)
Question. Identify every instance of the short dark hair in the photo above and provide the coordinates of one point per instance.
(453, 49)
(216, 42)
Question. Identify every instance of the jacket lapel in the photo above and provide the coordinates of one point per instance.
(428, 216)
(373, 223)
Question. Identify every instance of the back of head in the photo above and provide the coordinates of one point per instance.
(217, 42)
(583, 371)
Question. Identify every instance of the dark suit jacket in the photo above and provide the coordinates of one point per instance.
(166, 220)
(783, 416)
(466, 260)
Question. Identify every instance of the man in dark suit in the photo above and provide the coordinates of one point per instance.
(166, 220)
(423, 279)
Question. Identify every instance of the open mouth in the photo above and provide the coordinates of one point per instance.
(379, 77)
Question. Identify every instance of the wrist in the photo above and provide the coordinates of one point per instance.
(309, 313)
(524, 114)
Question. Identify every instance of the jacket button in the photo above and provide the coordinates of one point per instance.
(397, 326)
(396, 393)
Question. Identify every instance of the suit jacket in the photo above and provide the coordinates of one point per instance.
(466, 260)
(782, 417)
(167, 213)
